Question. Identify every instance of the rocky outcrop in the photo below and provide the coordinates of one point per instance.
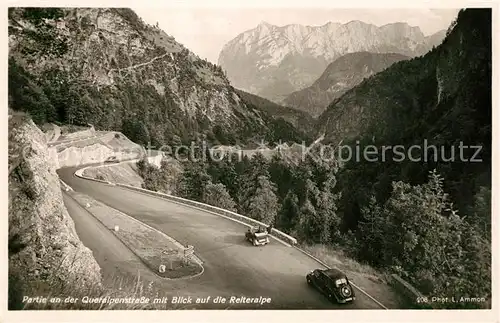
(121, 74)
(84, 147)
(45, 254)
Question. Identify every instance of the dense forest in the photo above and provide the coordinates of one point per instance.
(428, 222)
(442, 98)
(415, 233)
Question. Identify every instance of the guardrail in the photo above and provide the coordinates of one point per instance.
(233, 215)
(67, 188)
(412, 295)
(69, 142)
(229, 214)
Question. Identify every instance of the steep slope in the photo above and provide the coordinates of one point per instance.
(106, 67)
(299, 119)
(340, 76)
(45, 255)
(273, 61)
(443, 98)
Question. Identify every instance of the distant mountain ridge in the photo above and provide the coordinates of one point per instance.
(340, 76)
(273, 61)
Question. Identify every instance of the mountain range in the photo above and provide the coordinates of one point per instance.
(273, 61)
(392, 88)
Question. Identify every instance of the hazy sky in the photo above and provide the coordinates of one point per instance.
(206, 30)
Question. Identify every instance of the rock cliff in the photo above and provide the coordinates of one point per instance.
(45, 253)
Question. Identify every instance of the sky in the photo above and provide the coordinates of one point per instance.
(206, 30)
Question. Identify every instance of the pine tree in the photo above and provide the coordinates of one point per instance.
(169, 177)
(288, 212)
(263, 204)
(217, 195)
(327, 211)
(249, 180)
(480, 212)
(372, 232)
(305, 223)
(193, 182)
(281, 174)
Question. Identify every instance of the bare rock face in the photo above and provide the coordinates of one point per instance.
(45, 254)
(129, 76)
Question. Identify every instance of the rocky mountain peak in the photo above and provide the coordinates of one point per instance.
(273, 61)
(264, 24)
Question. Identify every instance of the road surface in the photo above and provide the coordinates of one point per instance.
(233, 267)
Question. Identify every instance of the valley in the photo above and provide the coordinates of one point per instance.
(112, 119)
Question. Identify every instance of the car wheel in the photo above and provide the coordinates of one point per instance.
(346, 291)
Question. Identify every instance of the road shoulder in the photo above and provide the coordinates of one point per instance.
(161, 254)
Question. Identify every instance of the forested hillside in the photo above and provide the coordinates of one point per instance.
(299, 119)
(426, 215)
(106, 67)
(426, 220)
(429, 222)
(443, 97)
(340, 76)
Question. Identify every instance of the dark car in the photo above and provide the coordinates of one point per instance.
(333, 284)
(111, 159)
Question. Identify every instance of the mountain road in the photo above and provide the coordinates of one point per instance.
(233, 266)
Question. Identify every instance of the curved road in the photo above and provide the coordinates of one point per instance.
(233, 267)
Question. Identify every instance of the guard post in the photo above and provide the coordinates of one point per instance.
(188, 253)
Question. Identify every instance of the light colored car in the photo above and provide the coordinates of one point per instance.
(257, 236)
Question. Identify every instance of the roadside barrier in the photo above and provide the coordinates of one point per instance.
(277, 234)
(228, 214)
(413, 297)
